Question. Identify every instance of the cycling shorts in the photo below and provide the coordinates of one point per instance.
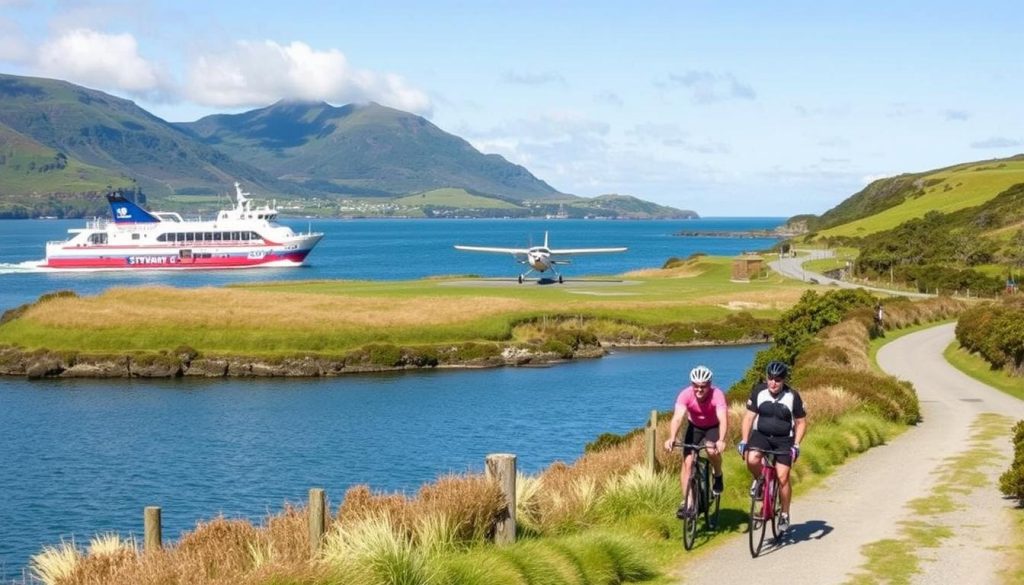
(698, 436)
(759, 440)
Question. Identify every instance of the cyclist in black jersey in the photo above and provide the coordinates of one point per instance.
(775, 421)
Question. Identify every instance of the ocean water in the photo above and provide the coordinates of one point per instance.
(393, 250)
(81, 457)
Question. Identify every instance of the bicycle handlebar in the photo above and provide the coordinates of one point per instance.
(678, 444)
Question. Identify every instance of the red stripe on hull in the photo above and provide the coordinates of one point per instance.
(173, 262)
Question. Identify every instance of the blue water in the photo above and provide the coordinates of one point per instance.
(394, 250)
(81, 457)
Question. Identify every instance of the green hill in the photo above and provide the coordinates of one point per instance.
(887, 203)
(959, 228)
(114, 134)
(363, 150)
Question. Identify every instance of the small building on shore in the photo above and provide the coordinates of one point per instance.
(746, 267)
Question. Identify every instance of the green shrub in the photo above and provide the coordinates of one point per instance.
(1011, 482)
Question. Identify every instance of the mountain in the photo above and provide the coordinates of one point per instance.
(363, 150)
(63, 146)
(111, 133)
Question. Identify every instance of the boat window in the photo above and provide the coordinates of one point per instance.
(135, 236)
(98, 238)
(254, 236)
(217, 236)
(235, 236)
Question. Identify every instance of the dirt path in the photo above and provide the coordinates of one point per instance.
(829, 523)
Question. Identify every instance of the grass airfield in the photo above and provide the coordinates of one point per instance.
(337, 316)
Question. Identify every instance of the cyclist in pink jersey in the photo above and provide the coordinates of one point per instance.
(703, 405)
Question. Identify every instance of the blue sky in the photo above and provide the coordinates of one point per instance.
(726, 108)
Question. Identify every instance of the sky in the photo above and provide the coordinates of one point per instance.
(726, 108)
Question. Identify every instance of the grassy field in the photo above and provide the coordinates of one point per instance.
(454, 198)
(958, 188)
(335, 316)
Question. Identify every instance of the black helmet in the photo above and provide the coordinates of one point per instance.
(777, 370)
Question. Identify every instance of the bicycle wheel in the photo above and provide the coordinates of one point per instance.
(776, 507)
(690, 517)
(756, 527)
(711, 518)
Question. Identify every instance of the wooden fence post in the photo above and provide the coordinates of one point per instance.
(317, 512)
(501, 467)
(654, 419)
(651, 438)
(153, 539)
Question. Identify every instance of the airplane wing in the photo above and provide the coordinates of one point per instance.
(520, 254)
(578, 251)
(495, 250)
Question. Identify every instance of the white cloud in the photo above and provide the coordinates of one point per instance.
(99, 60)
(260, 73)
(997, 142)
(707, 87)
(14, 47)
(537, 78)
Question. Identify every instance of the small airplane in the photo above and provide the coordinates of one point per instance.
(541, 258)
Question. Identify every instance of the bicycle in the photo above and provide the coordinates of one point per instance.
(704, 500)
(767, 507)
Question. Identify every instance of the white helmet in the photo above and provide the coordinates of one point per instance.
(700, 375)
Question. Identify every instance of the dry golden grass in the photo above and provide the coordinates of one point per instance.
(826, 404)
(470, 503)
(231, 308)
(680, 271)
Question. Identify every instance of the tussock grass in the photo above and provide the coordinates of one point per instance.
(54, 564)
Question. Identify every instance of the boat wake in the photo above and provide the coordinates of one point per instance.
(22, 267)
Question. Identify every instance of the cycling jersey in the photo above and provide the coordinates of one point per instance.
(775, 414)
(701, 414)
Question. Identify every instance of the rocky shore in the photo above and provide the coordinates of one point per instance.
(188, 363)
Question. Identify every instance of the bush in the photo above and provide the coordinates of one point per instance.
(1011, 483)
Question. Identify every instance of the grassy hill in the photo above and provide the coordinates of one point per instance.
(959, 228)
(363, 150)
(116, 135)
(887, 203)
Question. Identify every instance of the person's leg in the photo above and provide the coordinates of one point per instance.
(785, 491)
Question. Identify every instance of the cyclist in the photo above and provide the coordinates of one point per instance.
(775, 420)
(704, 406)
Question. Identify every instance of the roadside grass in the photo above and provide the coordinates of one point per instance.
(335, 316)
(842, 256)
(976, 367)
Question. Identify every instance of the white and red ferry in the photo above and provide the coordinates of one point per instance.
(137, 239)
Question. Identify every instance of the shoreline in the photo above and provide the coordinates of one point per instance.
(186, 363)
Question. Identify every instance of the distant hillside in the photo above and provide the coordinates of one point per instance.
(114, 134)
(886, 203)
(959, 228)
(363, 150)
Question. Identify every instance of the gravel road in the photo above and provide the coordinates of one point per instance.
(866, 500)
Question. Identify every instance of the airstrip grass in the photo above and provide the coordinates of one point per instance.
(334, 316)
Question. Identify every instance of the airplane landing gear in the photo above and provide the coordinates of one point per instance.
(520, 279)
(559, 279)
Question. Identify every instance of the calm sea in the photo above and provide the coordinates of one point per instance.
(81, 457)
(394, 250)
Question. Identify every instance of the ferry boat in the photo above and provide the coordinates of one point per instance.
(136, 239)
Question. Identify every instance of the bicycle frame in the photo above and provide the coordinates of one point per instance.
(697, 495)
(768, 507)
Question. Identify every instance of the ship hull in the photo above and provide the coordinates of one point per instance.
(166, 258)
